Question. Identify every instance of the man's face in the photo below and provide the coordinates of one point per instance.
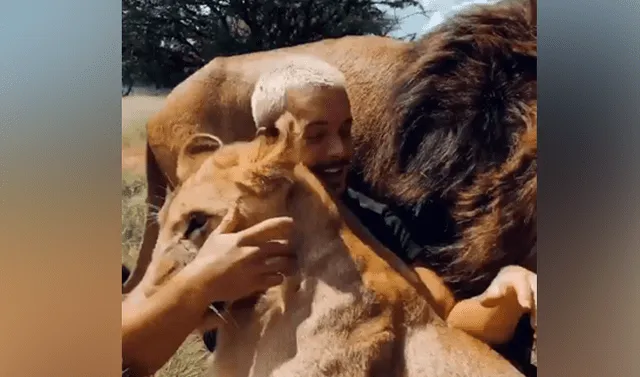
(323, 118)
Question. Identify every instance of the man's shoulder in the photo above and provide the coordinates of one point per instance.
(383, 222)
(359, 200)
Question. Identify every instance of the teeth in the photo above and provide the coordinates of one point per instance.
(334, 170)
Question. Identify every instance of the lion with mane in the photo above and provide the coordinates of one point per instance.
(353, 309)
(445, 129)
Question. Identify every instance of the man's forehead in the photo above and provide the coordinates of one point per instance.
(313, 97)
(315, 108)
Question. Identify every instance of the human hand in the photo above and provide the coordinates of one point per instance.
(514, 280)
(230, 266)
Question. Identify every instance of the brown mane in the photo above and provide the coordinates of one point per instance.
(452, 126)
(498, 213)
(431, 118)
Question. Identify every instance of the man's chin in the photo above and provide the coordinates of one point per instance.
(336, 188)
(336, 183)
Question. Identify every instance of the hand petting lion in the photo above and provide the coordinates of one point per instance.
(436, 128)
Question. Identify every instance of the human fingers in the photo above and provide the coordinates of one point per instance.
(267, 281)
(493, 295)
(274, 228)
(533, 280)
(534, 319)
(285, 265)
(524, 292)
(229, 222)
(271, 249)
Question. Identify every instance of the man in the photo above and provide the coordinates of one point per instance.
(311, 96)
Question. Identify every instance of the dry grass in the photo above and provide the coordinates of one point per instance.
(189, 360)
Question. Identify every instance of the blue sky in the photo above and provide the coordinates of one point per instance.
(28, 37)
(439, 10)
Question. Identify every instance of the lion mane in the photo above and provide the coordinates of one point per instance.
(461, 136)
(437, 123)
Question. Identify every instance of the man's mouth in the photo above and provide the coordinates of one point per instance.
(333, 170)
(331, 174)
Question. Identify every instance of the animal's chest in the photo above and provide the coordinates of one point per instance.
(316, 322)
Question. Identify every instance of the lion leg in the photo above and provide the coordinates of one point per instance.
(156, 193)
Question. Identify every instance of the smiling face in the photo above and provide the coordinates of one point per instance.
(322, 117)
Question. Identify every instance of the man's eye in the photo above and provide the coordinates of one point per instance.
(313, 141)
(197, 221)
(346, 129)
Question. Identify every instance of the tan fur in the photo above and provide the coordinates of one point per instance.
(216, 100)
(354, 309)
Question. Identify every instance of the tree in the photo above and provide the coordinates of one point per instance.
(164, 41)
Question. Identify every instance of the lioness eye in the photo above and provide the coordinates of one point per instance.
(197, 221)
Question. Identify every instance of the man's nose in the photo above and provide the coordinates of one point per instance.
(337, 148)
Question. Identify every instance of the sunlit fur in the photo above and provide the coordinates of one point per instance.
(430, 118)
(354, 309)
(463, 106)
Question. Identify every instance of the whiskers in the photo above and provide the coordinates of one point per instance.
(153, 213)
(153, 210)
(224, 315)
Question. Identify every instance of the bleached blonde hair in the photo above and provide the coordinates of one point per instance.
(294, 71)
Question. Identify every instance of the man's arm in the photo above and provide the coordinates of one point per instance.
(494, 315)
(493, 325)
(153, 329)
(444, 300)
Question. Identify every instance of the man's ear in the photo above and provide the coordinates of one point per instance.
(194, 152)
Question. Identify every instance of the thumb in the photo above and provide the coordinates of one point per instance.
(229, 221)
(267, 230)
(493, 295)
(524, 293)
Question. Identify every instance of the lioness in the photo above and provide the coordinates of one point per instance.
(429, 117)
(353, 310)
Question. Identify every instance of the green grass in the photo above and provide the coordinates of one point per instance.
(133, 215)
(189, 360)
(134, 135)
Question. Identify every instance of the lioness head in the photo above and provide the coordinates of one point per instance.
(251, 177)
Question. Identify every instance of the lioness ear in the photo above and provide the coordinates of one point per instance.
(268, 132)
(194, 152)
(264, 181)
(268, 135)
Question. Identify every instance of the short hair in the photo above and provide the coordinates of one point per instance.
(293, 71)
